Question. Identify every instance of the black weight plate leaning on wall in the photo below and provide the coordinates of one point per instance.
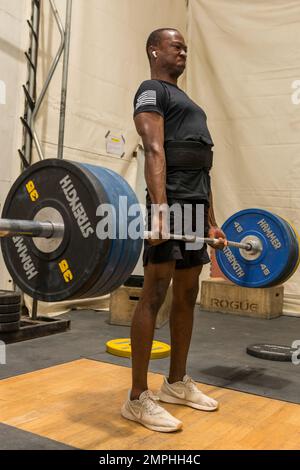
(9, 317)
(9, 297)
(12, 308)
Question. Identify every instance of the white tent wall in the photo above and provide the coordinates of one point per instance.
(244, 58)
(107, 64)
(13, 42)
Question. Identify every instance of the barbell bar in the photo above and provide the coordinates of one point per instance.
(251, 245)
(30, 228)
(52, 249)
(34, 229)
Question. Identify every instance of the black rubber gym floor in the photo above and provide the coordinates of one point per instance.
(217, 356)
(15, 439)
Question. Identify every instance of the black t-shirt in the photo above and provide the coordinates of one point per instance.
(184, 120)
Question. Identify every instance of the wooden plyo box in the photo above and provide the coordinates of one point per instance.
(123, 302)
(223, 296)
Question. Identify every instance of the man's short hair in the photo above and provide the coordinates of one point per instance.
(154, 38)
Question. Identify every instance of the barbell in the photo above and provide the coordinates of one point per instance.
(55, 245)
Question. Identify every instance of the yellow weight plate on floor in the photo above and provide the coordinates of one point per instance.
(122, 347)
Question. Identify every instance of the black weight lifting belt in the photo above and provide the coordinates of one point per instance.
(188, 155)
(188, 165)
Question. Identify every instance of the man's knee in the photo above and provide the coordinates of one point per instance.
(154, 298)
(186, 296)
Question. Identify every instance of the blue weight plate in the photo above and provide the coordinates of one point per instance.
(289, 260)
(271, 263)
(100, 286)
(293, 258)
(131, 247)
(297, 240)
(125, 252)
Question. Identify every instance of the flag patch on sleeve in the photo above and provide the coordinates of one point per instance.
(148, 97)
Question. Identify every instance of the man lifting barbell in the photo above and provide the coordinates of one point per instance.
(178, 158)
(55, 245)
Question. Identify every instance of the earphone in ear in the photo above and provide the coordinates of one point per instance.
(154, 53)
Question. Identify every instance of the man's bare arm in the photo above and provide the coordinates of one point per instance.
(150, 126)
(214, 230)
(211, 215)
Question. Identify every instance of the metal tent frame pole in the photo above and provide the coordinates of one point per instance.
(29, 88)
(33, 105)
(48, 80)
(64, 85)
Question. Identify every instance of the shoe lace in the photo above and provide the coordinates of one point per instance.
(150, 402)
(191, 384)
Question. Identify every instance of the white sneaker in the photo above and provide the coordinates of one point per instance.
(186, 393)
(149, 413)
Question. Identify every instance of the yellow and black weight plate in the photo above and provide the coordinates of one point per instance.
(122, 347)
(89, 259)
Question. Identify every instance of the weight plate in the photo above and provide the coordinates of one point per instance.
(270, 264)
(125, 250)
(122, 347)
(9, 317)
(8, 327)
(106, 278)
(293, 259)
(9, 297)
(131, 247)
(272, 352)
(298, 242)
(63, 188)
(296, 259)
(12, 308)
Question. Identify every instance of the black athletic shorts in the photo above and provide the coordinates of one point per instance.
(173, 249)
